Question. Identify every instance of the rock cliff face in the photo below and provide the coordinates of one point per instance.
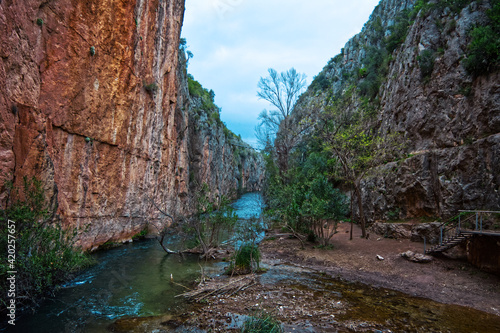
(93, 102)
(450, 119)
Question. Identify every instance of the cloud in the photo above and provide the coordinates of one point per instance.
(234, 42)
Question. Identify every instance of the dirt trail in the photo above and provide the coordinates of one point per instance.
(444, 280)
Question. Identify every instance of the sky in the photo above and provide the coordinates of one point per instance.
(235, 42)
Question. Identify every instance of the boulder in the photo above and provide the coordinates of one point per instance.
(392, 230)
(428, 230)
(416, 257)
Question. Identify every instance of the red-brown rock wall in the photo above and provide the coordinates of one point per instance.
(90, 104)
(75, 112)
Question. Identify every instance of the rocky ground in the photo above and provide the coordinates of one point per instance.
(443, 280)
(349, 289)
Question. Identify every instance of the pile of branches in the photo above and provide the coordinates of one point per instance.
(218, 287)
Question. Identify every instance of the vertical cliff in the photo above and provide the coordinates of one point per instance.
(406, 69)
(92, 103)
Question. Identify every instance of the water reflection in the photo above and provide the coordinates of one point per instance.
(251, 226)
(129, 281)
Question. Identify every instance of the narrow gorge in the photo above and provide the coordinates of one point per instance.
(95, 103)
(128, 205)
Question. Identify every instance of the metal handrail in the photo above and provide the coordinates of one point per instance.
(450, 225)
(457, 224)
(478, 226)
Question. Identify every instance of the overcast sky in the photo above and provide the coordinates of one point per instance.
(234, 42)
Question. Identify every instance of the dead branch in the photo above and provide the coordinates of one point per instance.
(221, 287)
(163, 232)
(296, 235)
(178, 284)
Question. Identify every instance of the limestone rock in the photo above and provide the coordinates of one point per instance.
(430, 231)
(108, 128)
(392, 230)
(416, 257)
(416, 232)
(450, 121)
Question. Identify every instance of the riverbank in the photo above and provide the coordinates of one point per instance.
(295, 289)
(443, 280)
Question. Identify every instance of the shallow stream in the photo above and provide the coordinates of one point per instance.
(134, 281)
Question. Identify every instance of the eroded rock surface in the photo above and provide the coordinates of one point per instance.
(91, 102)
(449, 119)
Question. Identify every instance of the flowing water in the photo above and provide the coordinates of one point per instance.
(133, 283)
(133, 280)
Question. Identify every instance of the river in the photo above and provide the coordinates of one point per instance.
(134, 281)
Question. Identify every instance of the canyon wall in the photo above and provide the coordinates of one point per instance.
(94, 102)
(449, 119)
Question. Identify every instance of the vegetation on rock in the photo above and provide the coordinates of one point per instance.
(44, 253)
(483, 54)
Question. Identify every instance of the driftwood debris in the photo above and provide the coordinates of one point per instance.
(218, 287)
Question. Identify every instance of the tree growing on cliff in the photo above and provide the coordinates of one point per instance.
(358, 147)
(281, 91)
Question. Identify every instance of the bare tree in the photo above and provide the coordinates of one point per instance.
(281, 91)
(161, 233)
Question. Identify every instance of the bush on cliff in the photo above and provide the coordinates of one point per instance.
(483, 54)
(42, 254)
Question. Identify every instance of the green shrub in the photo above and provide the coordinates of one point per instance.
(151, 87)
(262, 323)
(426, 64)
(483, 54)
(362, 72)
(320, 82)
(451, 26)
(338, 58)
(398, 31)
(207, 98)
(420, 5)
(393, 215)
(92, 50)
(44, 255)
(39, 22)
(465, 90)
(246, 259)
(425, 7)
(376, 64)
(141, 234)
